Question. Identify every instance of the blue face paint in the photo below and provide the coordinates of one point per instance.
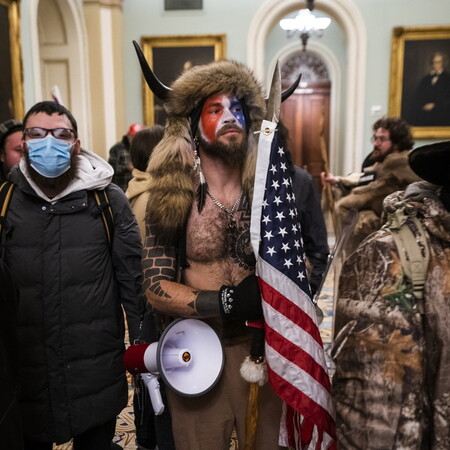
(218, 111)
(237, 111)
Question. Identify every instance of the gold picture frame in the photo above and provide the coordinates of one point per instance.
(168, 56)
(11, 75)
(413, 94)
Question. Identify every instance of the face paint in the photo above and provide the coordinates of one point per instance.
(219, 111)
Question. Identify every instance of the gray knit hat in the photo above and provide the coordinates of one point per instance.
(8, 127)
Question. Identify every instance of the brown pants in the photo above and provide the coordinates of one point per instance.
(207, 422)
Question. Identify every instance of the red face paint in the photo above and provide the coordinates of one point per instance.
(220, 110)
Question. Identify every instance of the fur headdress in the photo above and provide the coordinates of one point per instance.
(173, 183)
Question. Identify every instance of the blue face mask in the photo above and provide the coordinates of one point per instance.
(49, 156)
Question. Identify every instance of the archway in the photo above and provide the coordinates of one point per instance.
(58, 40)
(348, 157)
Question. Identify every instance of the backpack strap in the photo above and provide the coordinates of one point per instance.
(412, 247)
(102, 200)
(6, 191)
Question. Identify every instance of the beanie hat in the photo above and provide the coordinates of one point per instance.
(8, 127)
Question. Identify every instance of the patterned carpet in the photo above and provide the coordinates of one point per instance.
(125, 422)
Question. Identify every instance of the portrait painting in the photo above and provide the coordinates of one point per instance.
(11, 82)
(420, 80)
(169, 57)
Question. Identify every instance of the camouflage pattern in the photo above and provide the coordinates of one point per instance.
(392, 381)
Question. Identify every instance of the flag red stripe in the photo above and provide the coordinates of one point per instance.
(289, 309)
(298, 356)
(291, 426)
(307, 407)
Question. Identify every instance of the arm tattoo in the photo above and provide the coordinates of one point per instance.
(158, 264)
(206, 304)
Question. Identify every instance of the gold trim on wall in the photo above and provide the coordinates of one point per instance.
(199, 49)
(412, 49)
(16, 59)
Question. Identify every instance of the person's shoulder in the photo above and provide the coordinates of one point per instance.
(396, 159)
(302, 175)
(117, 147)
(116, 193)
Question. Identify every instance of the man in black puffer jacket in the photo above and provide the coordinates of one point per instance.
(72, 283)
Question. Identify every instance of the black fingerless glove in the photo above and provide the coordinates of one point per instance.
(242, 301)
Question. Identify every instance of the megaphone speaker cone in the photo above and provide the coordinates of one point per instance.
(190, 357)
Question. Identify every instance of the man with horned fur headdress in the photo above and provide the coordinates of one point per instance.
(198, 261)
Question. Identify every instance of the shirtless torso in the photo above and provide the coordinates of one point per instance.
(216, 254)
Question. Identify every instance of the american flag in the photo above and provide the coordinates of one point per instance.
(293, 348)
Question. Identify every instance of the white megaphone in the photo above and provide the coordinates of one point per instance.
(188, 357)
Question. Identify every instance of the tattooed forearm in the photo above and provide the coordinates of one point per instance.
(158, 290)
(206, 303)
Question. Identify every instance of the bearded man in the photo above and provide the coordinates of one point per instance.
(198, 262)
(385, 170)
(72, 283)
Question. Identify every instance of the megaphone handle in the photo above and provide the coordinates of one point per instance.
(152, 384)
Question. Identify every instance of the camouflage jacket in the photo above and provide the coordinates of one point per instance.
(392, 381)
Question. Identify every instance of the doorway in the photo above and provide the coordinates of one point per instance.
(306, 114)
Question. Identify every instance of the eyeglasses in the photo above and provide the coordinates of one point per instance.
(40, 133)
(382, 139)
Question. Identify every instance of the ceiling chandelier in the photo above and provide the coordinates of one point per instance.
(305, 24)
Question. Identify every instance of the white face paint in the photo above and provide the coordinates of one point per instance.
(222, 115)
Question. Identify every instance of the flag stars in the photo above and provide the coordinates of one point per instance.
(280, 216)
(282, 231)
(280, 151)
(273, 169)
(271, 251)
(287, 263)
(264, 204)
(275, 184)
(266, 219)
(285, 247)
(268, 235)
(296, 244)
(283, 167)
(301, 276)
(292, 213)
(277, 200)
(294, 228)
(286, 182)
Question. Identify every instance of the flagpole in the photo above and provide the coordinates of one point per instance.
(324, 154)
(254, 371)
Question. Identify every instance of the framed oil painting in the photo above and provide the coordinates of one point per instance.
(169, 56)
(420, 80)
(11, 79)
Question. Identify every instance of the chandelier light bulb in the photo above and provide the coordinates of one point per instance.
(305, 20)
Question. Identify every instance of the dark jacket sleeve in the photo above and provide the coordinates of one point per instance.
(126, 258)
(313, 225)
